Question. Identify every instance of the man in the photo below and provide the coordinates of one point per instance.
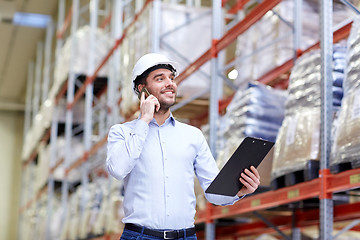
(157, 157)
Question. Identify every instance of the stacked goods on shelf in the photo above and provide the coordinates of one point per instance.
(297, 149)
(346, 147)
(181, 28)
(34, 220)
(256, 112)
(102, 212)
(271, 38)
(77, 151)
(79, 63)
(136, 44)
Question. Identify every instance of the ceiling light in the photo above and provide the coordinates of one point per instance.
(31, 20)
(233, 74)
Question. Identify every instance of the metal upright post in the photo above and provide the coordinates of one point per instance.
(189, 3)
(114, 80)
(69, 111)
(27, 124)
(47, 61)
(94, 5)
(215, 93)
(297, 28)
(156, 19)
(52, 163)
(326, 41)
(60, 22)
(297, 33)
(54, 121)
(36, 95)
(29, 87)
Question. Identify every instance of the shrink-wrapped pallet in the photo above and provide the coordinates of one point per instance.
(269, 42)
(77, 151)
(346, 147)
(181, 28)
(79, 59)
(256, 112)
(298, 141)
(347, 140)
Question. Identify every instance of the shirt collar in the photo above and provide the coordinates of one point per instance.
(170, 119)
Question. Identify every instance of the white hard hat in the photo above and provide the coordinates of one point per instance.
(150, 60)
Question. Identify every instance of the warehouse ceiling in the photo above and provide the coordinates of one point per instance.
(17, 48)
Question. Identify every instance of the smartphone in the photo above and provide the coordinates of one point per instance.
(145, 91)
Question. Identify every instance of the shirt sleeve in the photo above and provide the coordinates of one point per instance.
(206, 170)
(124, 147)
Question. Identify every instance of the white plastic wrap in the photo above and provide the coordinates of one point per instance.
(257, 112)
(80, 63)
(78, 111)
(297, 142)
(298, 139)
(136, 44)
(177, 45)
(77, 151)
(346, 146)
(42, 170)
(41, 123)
(347, 140)
(269, 28)
(190, 40)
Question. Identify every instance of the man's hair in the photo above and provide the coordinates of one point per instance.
(141, 79)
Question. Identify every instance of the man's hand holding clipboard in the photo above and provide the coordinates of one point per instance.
(239, 175)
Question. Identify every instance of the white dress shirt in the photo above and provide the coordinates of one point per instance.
(157, 164)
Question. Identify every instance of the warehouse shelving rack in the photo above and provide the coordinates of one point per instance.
(251, 203)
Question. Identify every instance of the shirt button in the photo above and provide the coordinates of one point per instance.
(168, 195)
(167, 176)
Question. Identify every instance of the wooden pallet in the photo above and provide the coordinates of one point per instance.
(340, 167)
(310, 171)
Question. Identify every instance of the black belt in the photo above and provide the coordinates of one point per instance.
(172, 234)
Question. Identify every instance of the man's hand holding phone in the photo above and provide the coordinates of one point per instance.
(148, 105)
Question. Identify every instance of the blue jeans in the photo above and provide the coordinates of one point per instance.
(131, 235)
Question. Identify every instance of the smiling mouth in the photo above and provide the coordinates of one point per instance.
(169, 92)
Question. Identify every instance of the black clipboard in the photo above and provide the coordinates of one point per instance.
(249, 153)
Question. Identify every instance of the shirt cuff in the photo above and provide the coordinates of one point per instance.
(141, 128)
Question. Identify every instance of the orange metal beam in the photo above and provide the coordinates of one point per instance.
(256, 14)
(60, 34)
(270, 76)
(344, 181)
(45, 138)
(106, 21)
(90, 79)
(268, 199)
(335, 182)
(238, 6)
(229, 37)
(56, 166)
(304, 218)
(61, 92)
(86, 155)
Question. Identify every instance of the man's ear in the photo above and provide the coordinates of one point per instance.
(140, 87)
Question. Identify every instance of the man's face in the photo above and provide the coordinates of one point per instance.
(160, 83)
